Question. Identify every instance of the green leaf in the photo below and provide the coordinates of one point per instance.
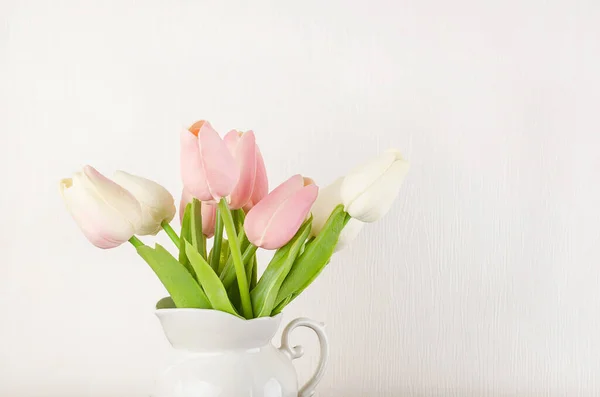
(186, 234)
(265, 293)
(233, 292)
(315, 257)
(183, 289)
(215, 291)
(290, 298)
(197, 238)
(215, 256)
(283, 304)
(166, 303)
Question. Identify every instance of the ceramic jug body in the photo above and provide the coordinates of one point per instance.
(220, 355)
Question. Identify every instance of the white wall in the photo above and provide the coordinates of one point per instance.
(482, 280)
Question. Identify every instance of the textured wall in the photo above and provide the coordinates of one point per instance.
(482, 280)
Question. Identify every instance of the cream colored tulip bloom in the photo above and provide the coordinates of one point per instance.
(370, 189)
(107, 214)
(329, 198)
(157, 204)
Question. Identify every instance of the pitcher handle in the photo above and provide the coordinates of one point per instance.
(297, 351)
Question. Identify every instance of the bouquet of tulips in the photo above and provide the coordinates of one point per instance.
(226, 198)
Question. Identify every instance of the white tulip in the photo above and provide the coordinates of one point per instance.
(327, 200)
(107, 214)
(369, 190)
(156, 202)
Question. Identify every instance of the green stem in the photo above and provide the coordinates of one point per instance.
(216, 250)
(171, 233)
(236, 254)
(136, 242)
(198, 239)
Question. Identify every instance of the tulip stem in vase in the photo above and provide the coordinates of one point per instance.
(171, 233)
(236, 255)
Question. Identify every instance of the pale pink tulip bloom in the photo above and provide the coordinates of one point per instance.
(208, 170)
(243, 148)
(208, 211)
(107, 214)
(275, 219)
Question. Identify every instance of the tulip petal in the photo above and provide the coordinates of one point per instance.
(118, 198)
(349, 233)
(258, 217)
(192, 170)
(144, 190)
(375, 201)
(289, 218)
(276, 218)
(361, 177)
(328, 199)
(157, 203)
(245, 157)
(88, 214)
(209, 217)
(261, 181)
(186, 198)
(195, 128)
(219, 166)
(231, 139)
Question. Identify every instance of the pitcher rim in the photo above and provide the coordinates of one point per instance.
(225, 314)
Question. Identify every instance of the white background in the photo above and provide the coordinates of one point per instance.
(482, 280)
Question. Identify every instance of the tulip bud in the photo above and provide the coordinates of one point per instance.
(273, 222)
(369, 190)
(156, 202)
(207, 210)
(208, 170)
(107, 214)
(327, 200)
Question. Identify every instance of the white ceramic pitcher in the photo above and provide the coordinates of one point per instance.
(221, 355)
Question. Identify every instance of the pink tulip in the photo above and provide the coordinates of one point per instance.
(243, 148)
(274, 220)
(208, 169)
(208, 211)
